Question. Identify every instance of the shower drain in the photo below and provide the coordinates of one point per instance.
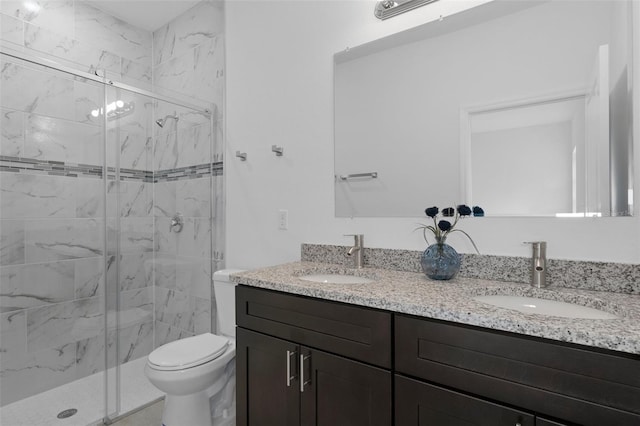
(65, 414)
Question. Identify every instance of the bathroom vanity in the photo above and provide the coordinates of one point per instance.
(404, 350)
(306, 361)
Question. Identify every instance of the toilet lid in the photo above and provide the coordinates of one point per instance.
(188, 352)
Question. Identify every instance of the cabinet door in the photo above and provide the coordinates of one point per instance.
(263, 397)
(419, 403)
(340, 392)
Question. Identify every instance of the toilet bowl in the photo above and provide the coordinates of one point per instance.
(191, 371)
(188, 371)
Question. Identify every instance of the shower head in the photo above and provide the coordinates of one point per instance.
(161, 121)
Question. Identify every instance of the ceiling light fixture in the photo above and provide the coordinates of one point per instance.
(32, 6)
(387, 8)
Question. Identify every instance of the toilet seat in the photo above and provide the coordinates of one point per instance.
(187, 353)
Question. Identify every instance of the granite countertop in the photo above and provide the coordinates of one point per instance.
(415, 294)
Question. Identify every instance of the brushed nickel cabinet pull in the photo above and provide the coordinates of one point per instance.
(289, 376)
(303, 358)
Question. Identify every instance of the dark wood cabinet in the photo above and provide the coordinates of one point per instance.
(282, 382)
(339, 391)
(544, 422)
(581, 386)
(311, 362)
(351, 331)
(263, 395)
(422, 404)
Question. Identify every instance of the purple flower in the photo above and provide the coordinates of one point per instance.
(444, 225)
(442, 228)
(432, 211)
(464, 210)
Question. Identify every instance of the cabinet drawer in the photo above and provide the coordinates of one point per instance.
(565, 381)
(359, 333)
(422, 404)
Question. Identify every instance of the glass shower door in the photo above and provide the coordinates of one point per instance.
(159, 235)
(130, 238)
(106, 240)
(51, 240)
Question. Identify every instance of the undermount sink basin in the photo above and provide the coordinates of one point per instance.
(336, 279)
(534, 305)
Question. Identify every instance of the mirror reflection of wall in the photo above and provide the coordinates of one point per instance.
(399, 107)
(543, 149)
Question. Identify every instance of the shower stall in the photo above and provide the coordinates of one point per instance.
(108, 198)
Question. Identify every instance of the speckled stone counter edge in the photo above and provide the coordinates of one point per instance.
(414, 294)
(585, 275)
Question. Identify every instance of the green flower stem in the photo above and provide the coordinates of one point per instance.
(470, 239)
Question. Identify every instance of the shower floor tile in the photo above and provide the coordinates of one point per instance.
(86, 395)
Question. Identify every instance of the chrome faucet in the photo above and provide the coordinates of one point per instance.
(357, 250)
(538, 263)
(177, 223)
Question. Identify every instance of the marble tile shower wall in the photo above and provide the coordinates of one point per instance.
(188, 54)
(52, 214)
(51, 229)
(188, 63)
(52, 239)
(80, 36)
(182, 261)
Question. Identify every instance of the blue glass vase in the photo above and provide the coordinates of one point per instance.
(440, 261)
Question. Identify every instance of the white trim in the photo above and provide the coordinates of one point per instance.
(465, 127)
(560, 95)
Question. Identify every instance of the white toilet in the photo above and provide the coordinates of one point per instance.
(193, 370)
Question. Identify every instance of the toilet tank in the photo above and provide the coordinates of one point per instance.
(224, 291)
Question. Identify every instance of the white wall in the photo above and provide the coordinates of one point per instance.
(280, 91)
(536, 176)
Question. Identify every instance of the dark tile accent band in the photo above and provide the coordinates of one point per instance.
(130, 174)
(578, 274)
(58, 168)
(189, 172)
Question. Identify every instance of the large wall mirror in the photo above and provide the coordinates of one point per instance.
(521, 107)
